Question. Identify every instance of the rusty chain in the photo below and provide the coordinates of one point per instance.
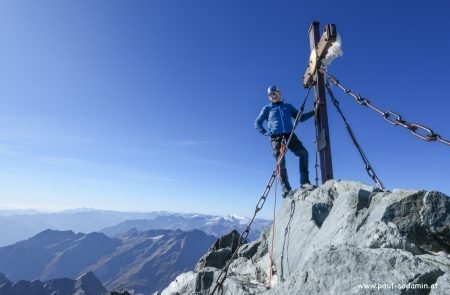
(393, 118)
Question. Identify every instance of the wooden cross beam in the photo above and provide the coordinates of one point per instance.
(318, 51)
(313, 77)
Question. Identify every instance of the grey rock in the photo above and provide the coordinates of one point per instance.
(342, 238)
(442, 285)
(220, 252)
(217, 259)
(351, 270)
(204, 280)
(249, 250)
(423, 217)
(438, 260)
(227, 241)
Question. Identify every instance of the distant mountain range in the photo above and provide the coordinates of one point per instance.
(85, 284)
(19, 225)
(212, 225)
(143, 261)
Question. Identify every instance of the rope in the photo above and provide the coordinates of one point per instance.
(278, 180)
(273, 234)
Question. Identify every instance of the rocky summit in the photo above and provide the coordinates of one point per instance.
(342, 238)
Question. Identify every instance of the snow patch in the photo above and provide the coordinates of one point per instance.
(333, 52)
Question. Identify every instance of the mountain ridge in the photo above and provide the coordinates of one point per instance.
(84, 284)
(143, 261)
(17, 227)
(212, 225)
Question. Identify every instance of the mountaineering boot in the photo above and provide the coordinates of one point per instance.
(307, 186)
(286, 190)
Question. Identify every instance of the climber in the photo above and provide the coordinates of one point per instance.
(278, 115)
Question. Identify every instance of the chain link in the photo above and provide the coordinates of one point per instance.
(439, 138)
(393, 118)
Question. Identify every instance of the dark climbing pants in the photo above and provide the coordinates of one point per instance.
(299, 150)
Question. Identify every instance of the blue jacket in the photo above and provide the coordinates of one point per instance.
(279, 118)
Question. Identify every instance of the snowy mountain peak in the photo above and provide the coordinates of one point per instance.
(235, 216)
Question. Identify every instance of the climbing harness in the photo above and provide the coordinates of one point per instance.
(259, 205)
(369, 168)
(390, 116)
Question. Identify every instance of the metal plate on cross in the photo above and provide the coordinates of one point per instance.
(312, 62)
(321, 141)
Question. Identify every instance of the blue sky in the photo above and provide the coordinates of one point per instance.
(149, 105)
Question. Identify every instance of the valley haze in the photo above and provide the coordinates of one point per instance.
(19, 224)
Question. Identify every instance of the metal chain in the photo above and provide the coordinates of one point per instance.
(316, 143)
(393, 118)
(223, 274)
(316, 165)
(369, 168)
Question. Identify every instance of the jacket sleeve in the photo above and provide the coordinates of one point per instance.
(304, 117)
(260, 120)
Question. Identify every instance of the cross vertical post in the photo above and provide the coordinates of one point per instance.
(319, 47)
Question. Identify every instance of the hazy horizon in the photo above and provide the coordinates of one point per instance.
(85, 209)
(150, 105)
